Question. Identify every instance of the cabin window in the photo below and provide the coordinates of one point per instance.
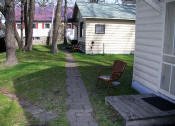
(47, 25)
(168, 64)
(34, 25)
(99, 29)
(18, 26)
(69, 26)
(36, 38)
(169, 44)
(81, 29)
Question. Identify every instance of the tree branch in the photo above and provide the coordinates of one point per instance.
(18, 38)
(2, 9)
(2, 27)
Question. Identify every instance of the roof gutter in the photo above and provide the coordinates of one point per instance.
(108, 18)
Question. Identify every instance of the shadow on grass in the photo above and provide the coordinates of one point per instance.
(89, 66)
(39, 88)
(40, 79)
(45, 89)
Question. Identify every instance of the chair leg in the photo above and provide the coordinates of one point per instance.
(108, 86)
(97, 83)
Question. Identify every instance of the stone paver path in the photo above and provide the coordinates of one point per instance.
(80, 112)
(35, 110)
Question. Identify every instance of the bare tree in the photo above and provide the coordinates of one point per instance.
(93, 1)
(18, 39)
(128, 1)
(57, 23)
(44, 3)
(2, 26)
(11, 58)
(65, 22)
(26, 19)
(21, 48)
(31, 11)
(51, 29)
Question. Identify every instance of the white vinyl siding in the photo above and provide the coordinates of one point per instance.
(119, 37)
(148, 49)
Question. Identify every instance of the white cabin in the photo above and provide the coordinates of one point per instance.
(105, 28)
(43, 19)
(154, 63)
(41, 31)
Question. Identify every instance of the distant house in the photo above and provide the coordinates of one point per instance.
(154, 65)
(105, 28)
(42, 24)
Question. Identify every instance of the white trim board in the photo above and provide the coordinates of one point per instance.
(153, 5)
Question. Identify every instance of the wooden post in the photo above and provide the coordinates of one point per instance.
(103, 49)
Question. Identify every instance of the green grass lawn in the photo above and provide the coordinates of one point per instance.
(36, 78)
(89, 66)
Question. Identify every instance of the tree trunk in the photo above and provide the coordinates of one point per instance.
(17, 37)
(26, 20)
(30, 26)
(57, 23)
(3, 28)
(11, 58)
(21, 48)
(65, 23)
(51, 29)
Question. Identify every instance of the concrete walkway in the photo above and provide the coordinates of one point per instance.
(80, 112)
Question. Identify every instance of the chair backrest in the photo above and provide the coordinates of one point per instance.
(117, 69)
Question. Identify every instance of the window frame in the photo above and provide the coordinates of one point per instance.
(34, 24)
(37, 38)
(96, 25)
(47, 24)
(19, 26)
(69, 24)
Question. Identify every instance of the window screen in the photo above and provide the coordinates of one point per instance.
(34, 25)
(166, 73)
(172, 89)
(69, 26)
(18, 26)
(169, 44)
(99, 29)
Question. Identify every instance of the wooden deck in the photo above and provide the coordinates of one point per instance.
(136, 112)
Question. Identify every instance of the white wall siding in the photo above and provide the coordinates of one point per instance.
(43, 32)
(149, 31)
(119, 37)
(38, 32)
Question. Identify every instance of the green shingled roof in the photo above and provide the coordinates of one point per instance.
(107, 11)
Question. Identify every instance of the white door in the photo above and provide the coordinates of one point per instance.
(167, 85)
